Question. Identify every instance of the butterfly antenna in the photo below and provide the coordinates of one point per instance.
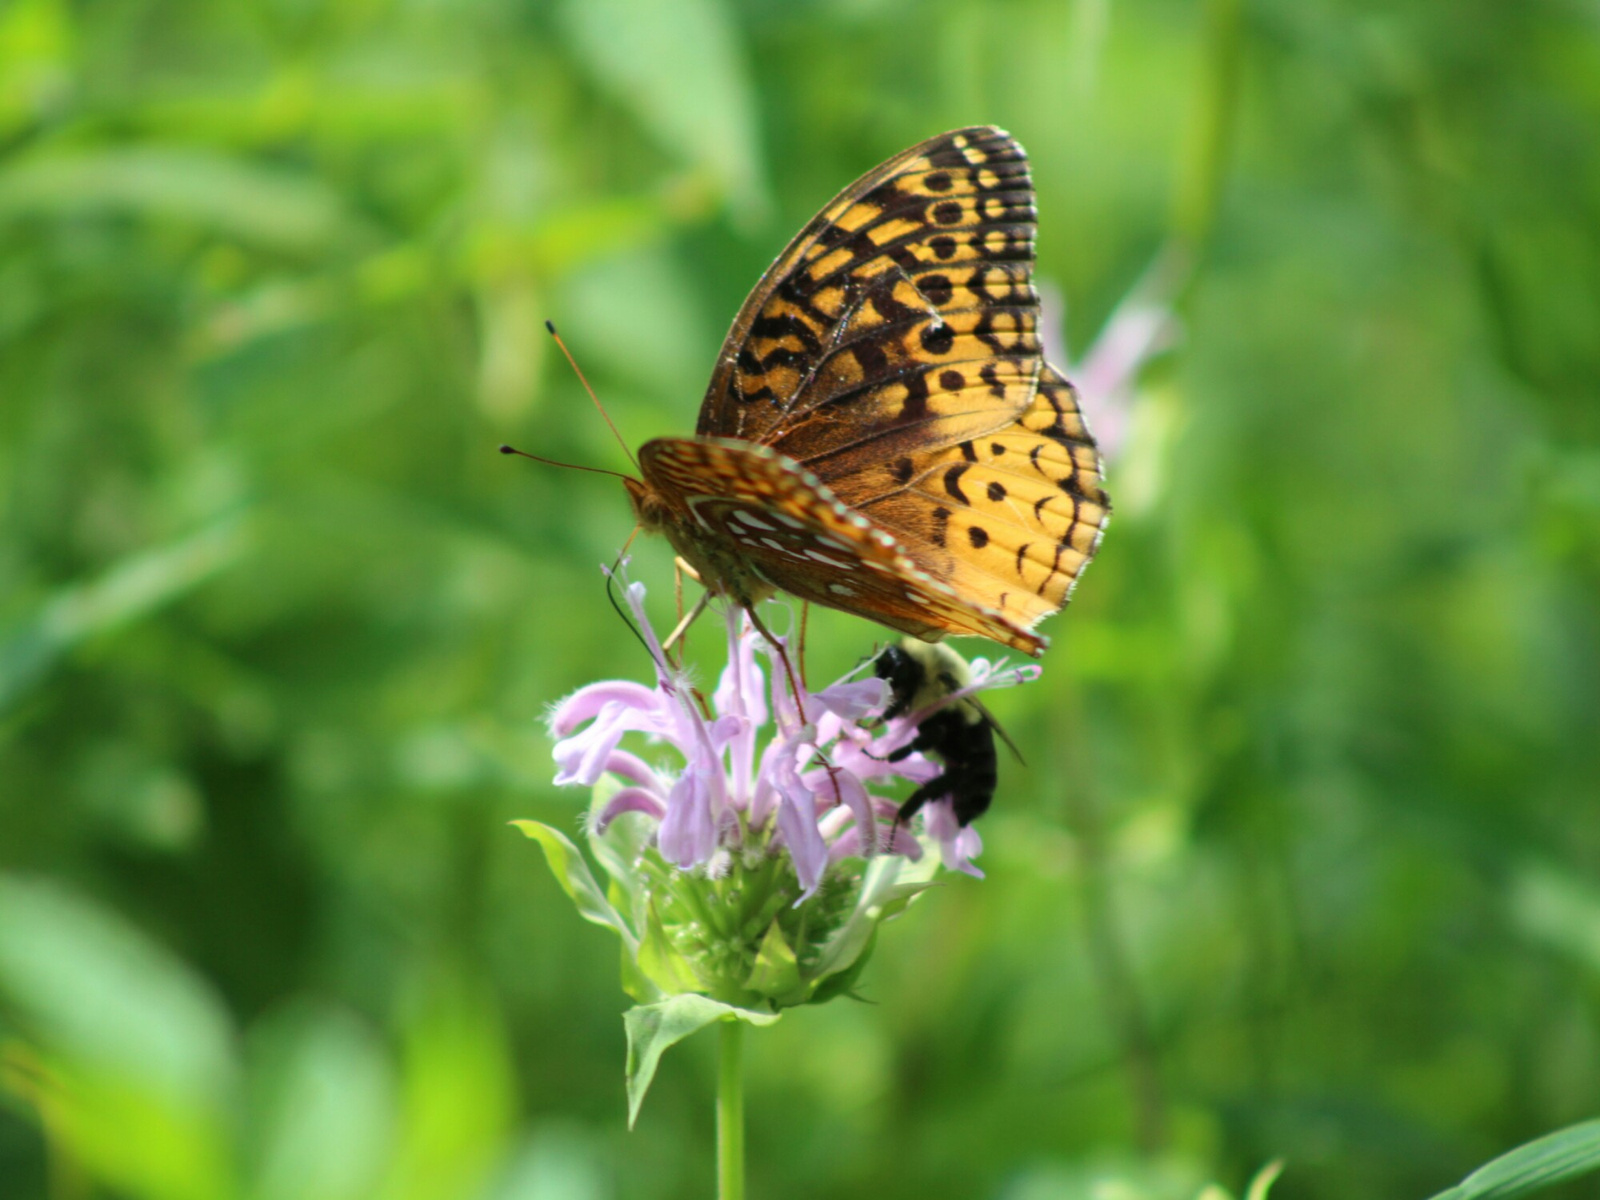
(626, 620)
(550, 462)
(551, 326)
(612, 596)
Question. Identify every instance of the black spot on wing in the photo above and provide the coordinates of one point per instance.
(938, 338)
(952, 482)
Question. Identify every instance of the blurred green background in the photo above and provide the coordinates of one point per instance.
(1305, 860)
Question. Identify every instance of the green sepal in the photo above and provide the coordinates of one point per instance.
(660, 961)
(840, 983)
(776, 971)
(652, 1028)
(884, 894)
(639, 987)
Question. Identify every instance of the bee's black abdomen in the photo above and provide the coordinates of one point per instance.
(959, 735)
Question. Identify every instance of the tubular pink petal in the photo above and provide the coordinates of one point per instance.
(586, 703)
(840, 787)
(630, 800)
(845, 845)
(688, 833)
(582, 757)
(797, 825)
(853, 701)
(633, 769)
(958, 845)
(903, 842)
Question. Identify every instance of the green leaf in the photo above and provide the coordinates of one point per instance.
(575, 878)
(267, 205)
(131, 589)
(1564, 1154)
(1263, 1181)
(840, 983)
(138, 1047)
(680, 68)
(654, 1027)
(776, 972)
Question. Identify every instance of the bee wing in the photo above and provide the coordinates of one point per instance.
(989, 719)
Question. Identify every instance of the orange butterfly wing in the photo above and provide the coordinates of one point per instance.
(882, 404)
(759, 520)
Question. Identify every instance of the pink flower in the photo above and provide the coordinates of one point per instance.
(736, 790)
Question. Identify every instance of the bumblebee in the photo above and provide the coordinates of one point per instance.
(960, 734)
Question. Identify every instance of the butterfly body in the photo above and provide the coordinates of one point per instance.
(882, 434)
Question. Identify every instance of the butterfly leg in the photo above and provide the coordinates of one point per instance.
(783, 657)
(686, 620)
(680, 568)
(795, 690)
(805, 616)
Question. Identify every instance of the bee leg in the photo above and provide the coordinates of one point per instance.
(932, 790)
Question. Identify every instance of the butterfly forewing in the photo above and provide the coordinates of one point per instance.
(903, 315)
(1008, 520)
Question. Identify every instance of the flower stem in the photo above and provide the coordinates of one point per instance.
(730, 1113)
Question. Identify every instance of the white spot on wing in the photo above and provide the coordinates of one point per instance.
(827, 560)
(781, 547)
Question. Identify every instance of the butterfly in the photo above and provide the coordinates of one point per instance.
(881, 433)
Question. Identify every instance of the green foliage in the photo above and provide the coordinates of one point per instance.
(1566, 1154)
(654, 1028)
(1303, 860)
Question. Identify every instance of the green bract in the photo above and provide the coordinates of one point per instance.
(701, 946)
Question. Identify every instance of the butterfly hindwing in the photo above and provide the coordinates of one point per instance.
(790, 531)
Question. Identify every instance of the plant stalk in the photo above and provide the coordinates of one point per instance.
(730, 1112)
